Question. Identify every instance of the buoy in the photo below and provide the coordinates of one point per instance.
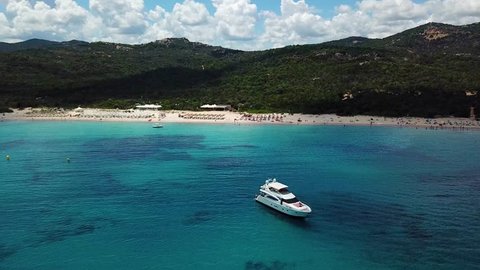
(68, 160)
(7, 157)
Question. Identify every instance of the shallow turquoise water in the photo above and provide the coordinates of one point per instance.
(181, 197)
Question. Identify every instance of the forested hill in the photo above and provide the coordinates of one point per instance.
(433, 69)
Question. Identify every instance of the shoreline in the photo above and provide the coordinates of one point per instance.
(235, 118)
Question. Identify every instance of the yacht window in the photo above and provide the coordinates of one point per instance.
(271, 198)
(283, 191)
(292, 200)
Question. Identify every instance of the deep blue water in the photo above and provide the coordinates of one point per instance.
(181, 197)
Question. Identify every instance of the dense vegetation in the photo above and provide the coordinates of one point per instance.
(425, 71)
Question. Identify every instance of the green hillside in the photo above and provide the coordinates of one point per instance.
(424, 71)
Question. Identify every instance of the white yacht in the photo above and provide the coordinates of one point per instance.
(277, 196)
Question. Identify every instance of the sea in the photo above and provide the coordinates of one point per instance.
(98, 195)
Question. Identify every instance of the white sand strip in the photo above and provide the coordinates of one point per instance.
(226, 117)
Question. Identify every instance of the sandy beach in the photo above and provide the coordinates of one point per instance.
(227, 117)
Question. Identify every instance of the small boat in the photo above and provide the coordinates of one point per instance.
(277, 196)
(157, 126)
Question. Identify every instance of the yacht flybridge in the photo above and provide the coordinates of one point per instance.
(277, 196)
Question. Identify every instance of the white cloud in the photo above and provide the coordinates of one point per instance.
(393, 9)
(232, 23)
(455, 12)
(235, 19)
(296, 24)
(123, 20)
(189, 19)
(5, 26)
(377, 18)
(158, 29)
(190, 13)
(41, 20)
(291, 7)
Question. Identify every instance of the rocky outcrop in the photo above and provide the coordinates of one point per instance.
(434, 33)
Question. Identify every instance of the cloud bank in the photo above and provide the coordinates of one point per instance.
(233, 23)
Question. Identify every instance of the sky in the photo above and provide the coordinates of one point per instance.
(237, 24)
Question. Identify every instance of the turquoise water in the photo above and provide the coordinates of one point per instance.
(181, 197)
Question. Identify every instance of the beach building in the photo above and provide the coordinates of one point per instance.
(216, 107)
(148, 107)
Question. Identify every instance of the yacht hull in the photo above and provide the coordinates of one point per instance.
(281, 208)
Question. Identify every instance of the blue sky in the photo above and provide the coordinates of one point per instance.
(324, 7)
(240, 24)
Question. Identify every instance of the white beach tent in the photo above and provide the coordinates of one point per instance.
(215, 107)
(78, 109)
(149, 107)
